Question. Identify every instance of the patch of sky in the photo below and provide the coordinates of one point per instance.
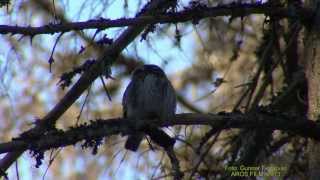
(162, 48)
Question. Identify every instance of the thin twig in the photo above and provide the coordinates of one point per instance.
(82, 106)
(51, 60)
(105, 89)
(201, 159)
(177, 174)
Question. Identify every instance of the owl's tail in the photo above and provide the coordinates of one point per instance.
(134, 141)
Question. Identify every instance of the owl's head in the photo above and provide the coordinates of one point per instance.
(144, 70)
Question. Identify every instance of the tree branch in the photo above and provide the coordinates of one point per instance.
(104, 128)
(188, 14)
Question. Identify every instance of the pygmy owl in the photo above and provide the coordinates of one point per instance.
(149, 95)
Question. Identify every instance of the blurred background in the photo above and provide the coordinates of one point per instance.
(209, 64)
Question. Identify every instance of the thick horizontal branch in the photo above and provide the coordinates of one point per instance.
(189, 14)
(104, 128)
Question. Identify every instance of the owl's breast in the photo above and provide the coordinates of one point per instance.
(152, 99)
